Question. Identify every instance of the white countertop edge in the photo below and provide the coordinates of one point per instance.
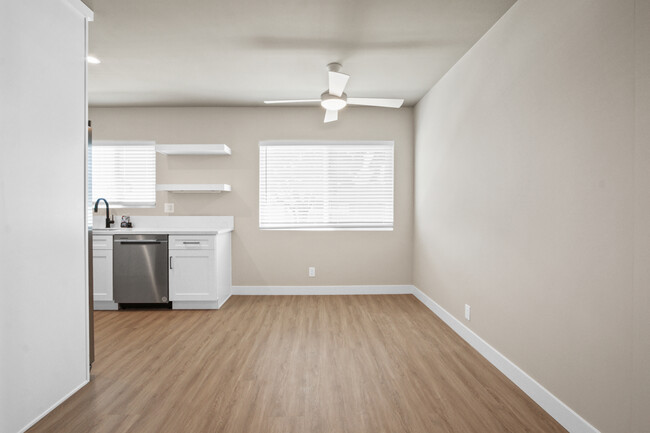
(138, 231)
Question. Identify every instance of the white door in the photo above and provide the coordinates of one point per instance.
(192, 275)
(103, 275)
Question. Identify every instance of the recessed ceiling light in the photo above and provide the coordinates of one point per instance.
(93, 60)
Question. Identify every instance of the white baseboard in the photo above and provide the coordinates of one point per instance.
(199, 305)
(562, 413)
(323, 290)
(54, 406)
(221, 302)
(195, 305)
(105, 305)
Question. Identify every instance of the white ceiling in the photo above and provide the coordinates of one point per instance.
(242, 52)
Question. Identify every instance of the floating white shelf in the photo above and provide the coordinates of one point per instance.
(205, 188)
(193, 149)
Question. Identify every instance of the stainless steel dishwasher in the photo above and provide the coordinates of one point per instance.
(140, 274)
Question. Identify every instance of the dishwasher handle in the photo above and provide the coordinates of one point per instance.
(144, 241)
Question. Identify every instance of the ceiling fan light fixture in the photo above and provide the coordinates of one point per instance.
(334, 98)
(333, 102)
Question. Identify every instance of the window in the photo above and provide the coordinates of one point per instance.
(326, 185)
(124, 173)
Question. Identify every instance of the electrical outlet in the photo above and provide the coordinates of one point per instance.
(169, 207)
(312, 271)
(467, 312)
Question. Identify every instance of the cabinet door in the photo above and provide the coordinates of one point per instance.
(103, 275)
(192, 275)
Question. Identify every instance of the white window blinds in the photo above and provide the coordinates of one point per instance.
(124, 173)
(326, 185)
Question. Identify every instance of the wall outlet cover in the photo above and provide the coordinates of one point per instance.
(312, 271)
(169, 207)
(467, 312)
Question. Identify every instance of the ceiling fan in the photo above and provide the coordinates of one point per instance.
(334, 99)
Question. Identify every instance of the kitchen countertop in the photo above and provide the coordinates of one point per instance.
(170, 231)
(168, 225)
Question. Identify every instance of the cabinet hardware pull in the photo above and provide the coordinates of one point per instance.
(191, 242)
(170, 262)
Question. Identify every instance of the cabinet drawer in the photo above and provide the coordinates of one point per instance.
(102, 242)
(205, 242)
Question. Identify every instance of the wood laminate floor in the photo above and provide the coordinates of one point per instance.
(290, 364)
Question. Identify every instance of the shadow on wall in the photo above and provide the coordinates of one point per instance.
(225, 203)
(242, 259)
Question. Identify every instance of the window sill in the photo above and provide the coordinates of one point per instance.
(333, 229)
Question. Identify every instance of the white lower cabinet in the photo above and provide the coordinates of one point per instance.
(199, 271)
(103, 273)
(192, 275)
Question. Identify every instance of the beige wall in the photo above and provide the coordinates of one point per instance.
(275, 257)
(525, 201)
(641, 348)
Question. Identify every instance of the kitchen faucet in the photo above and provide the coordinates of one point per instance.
(109, 221)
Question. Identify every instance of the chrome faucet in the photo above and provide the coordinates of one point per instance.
(110, 220)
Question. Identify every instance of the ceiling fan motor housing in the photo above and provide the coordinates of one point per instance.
(334, 67)
(333, 102)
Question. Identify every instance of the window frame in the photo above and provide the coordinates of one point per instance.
(360, 227)
(107, 143)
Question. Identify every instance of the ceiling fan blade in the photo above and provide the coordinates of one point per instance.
(331, 116)
(291, 101)
(337, 82)
(376, 102)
